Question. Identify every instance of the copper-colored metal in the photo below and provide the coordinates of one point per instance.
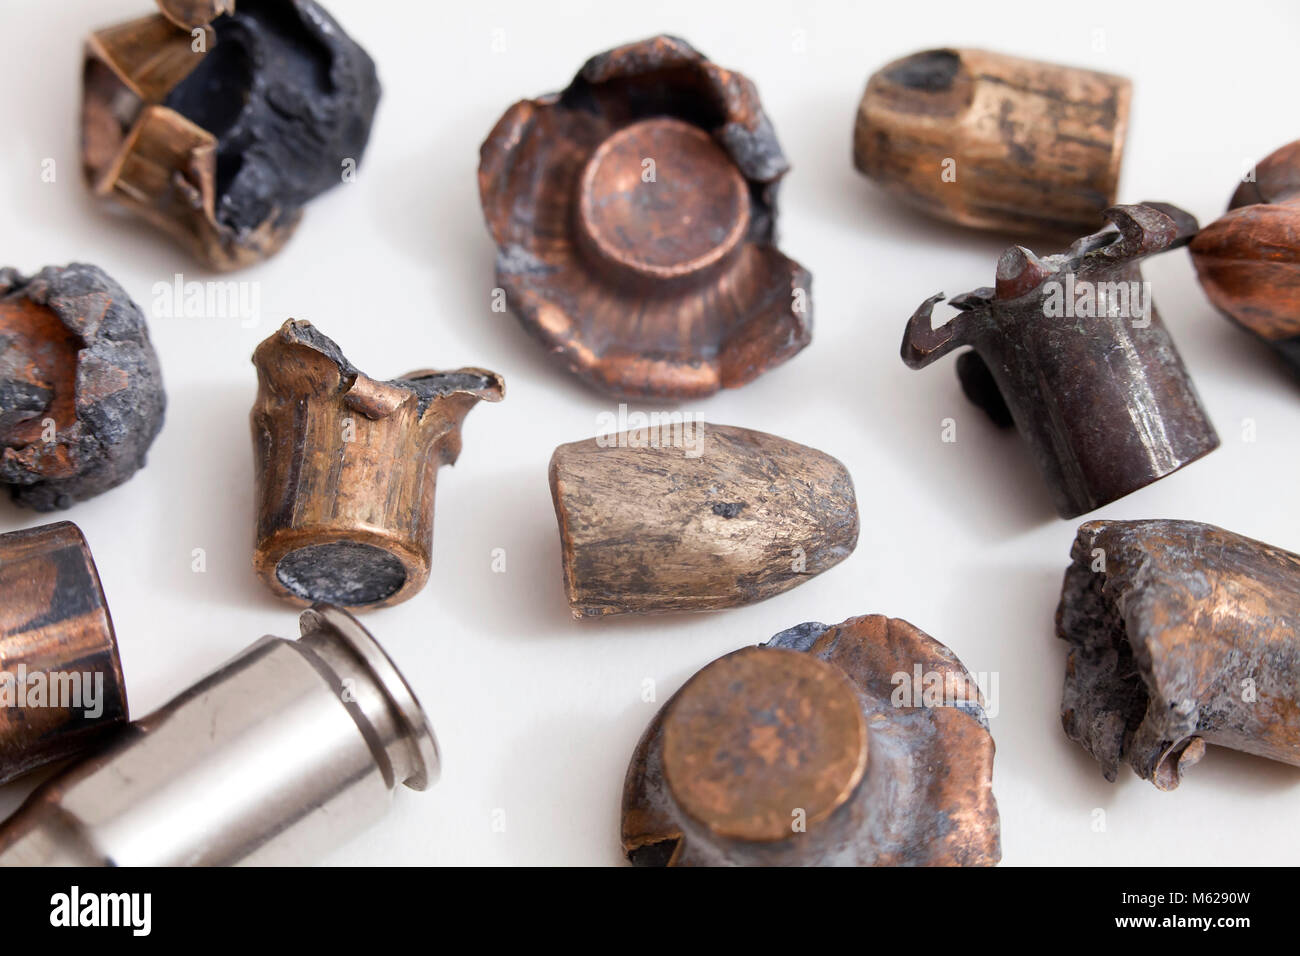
(191, 14)
(61, 687)
(995, 141)
(806, 751)
(220, 139)
(694, 516)
(741, 778)
(1182, 634)
(633, 215)
(346, 467)
(81, 394)
(1248, 260)
(1066, 348)
(691, 221)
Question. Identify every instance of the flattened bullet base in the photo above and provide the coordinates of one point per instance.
(799, 752)
(346, 573)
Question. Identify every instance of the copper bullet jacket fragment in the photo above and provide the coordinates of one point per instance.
(346, 467)
(1181, 635)
(818, 748)
(218, 125)
(1070, 348)
(634, 219)
(994, 141)
(61, 688)
(1248, 261)
(81, 394)
(696, 517)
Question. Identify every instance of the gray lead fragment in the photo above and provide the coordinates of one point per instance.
(81, 395)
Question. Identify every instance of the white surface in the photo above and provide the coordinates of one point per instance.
(537, 714)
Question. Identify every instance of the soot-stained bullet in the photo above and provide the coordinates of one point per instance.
(346, 467)
(1248, 260)
(862, 744)
(634, 219)
(81, 395)
(1181, 635)
(694, 516)
(61, 688)
(1070, 348)
(995, 141)
(220, 134)
(274, 759)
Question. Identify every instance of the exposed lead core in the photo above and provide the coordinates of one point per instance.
(275, 758)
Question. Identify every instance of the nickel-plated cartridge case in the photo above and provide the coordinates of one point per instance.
(275, 758)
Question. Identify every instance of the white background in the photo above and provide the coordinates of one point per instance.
(537, 714)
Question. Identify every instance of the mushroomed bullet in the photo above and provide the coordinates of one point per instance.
(812, 749)
(81, 394)
(634, 219)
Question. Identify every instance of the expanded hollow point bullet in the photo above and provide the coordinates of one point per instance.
(634, 216)
(346, 467)
(275, 758)
(218, 125)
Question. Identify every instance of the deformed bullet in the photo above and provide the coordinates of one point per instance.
(218, 125)
(696, 517)
(81, 393)
(61, 687)
(346, 468)
(634, 216)
(815, 749)
(1181, 634)
(1070, 348)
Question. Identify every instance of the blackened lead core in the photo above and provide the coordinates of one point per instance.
(347, 573)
